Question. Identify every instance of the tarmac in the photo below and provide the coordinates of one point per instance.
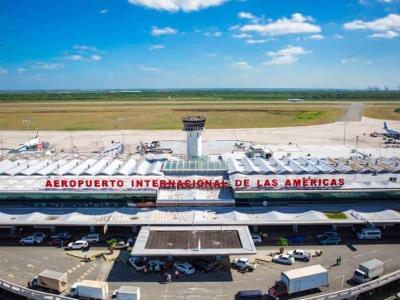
(337, 133)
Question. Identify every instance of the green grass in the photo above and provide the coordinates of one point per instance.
(103, 116)
(336, 215)
(397, 110)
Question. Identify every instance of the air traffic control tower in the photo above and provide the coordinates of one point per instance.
(194, 126)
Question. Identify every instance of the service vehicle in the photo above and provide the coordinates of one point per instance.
(249, 295)
(283, 259)
(369, 234)
(300, 254)
(299, 280)
(78, 245)
(31, 240)
(126, 293)
(256, 238)
(91, 238)
(184, 267)
(89, 289)
(137, 263)
(326, 234)
(369, 270)
(51, 281)
(243, 264)
(330, 240)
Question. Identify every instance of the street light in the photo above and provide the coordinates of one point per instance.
(27, 123)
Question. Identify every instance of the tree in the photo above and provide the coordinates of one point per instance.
(111, 244)
(282, 243)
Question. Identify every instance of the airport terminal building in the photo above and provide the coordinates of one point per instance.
(249, 176)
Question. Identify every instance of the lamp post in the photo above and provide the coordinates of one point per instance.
(27, 123)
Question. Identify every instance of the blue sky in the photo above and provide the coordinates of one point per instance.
(92, 44)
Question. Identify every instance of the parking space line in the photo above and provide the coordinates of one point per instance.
(358, 255)
(388, 260)
(30, 266)
(373, 251)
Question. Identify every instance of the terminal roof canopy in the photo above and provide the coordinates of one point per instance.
(193, 241)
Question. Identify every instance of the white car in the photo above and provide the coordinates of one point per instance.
(300, 254)
(283, 259)
(256, 238)
(369, 234)
(137, 263)
(327, 234)
(184, 267)
(31, 240)
(243, 264)
(91, 238)
(78, 245)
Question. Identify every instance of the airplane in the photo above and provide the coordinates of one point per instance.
(394, 134)
(32, 145)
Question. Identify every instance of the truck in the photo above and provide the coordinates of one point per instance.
(299, 280)
(369, 270)
(89, 289)
(51, 281)
(127, 293)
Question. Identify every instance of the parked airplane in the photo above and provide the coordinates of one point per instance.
(32, 145)
(394, 134)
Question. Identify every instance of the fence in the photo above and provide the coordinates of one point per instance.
(352, 293)
(30, 294)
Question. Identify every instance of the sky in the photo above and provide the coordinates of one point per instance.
(142, 44)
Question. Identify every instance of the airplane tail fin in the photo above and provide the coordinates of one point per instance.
(385, 126)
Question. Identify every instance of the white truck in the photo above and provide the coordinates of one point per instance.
(369, 270)
(89, 289)
(50, 281)
(127, 293)
(299, 280)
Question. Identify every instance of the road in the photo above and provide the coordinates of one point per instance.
(353, 113)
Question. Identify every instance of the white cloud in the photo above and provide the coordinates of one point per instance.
(74, 57)
(254, 42)
(149, 69)
(84, 48)
(246, 16)
(285, 56)
(243, 65)
(157, 31)
(297, 24)
(104, 11)
(317, 37)
(387, 27)
(49, 66)
(96, 57)
(338, 36)
(21, 70)
(385, 35)
(213, 34)
(3, 71)
(156, 47)
(354, 60)
(177, 5)
(241, 36)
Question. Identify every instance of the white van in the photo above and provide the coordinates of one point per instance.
(369, 234)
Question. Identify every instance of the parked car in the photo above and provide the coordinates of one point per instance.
(243, 264)
(331, 240)
(137, 263)
(131, 241)
(91, 238)
(283, 259)
(40, 235)
(204, 265)
(249, 295)
(31, 240)
(369, 234)
(78, 245)
(256, 238)
(61, 235)
(299, 254)
(60, 242)
(326, 234)
(156, 264)
(296, 239)
(120, 245)
(184, 267)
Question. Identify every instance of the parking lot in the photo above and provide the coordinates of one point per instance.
(20, 264)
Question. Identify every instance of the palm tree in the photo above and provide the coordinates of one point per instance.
(282, 243)
(111, 243)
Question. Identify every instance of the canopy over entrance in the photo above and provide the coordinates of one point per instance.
(193, 241)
